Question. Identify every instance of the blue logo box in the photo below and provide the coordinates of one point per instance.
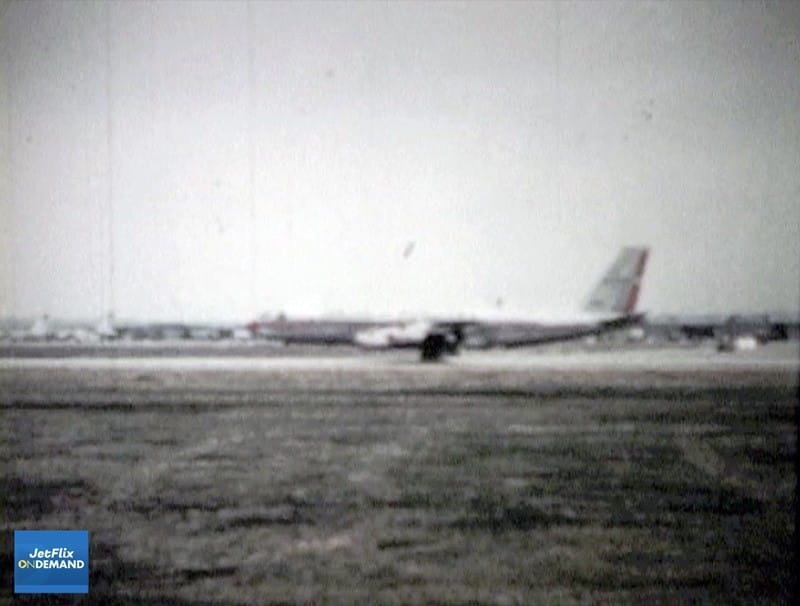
(51, 561)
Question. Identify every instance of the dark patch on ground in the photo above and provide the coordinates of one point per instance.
(496, 516)
(30, 499)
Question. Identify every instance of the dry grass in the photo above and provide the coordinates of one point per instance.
(408, 488)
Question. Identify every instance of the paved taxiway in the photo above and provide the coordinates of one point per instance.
(175, 356)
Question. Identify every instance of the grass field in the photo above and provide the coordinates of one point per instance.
(339, 486)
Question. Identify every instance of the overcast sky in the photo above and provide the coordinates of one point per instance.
(235, 158)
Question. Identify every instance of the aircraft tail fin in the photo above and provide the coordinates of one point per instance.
(618, 291)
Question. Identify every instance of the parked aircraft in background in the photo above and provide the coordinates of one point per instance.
(158, 331)
(726, 329)
(44, 329)
(611, 305)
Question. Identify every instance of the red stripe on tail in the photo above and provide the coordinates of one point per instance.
(633, 293)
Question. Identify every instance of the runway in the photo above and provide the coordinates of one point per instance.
(188, 356)
(623, 477)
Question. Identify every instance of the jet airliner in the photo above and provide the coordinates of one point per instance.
(610, 305)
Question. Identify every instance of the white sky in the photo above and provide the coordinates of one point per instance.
(271, 156)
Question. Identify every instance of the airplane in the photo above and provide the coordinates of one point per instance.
(611, 305)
